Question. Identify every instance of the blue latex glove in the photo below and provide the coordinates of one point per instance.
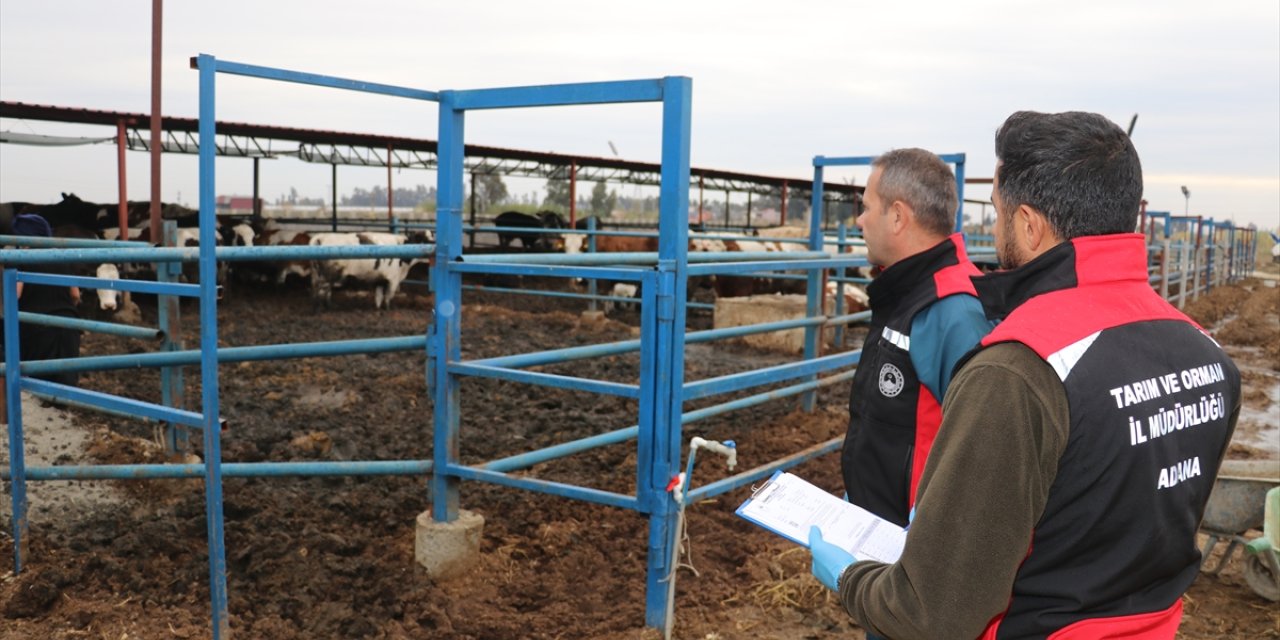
(829, 561)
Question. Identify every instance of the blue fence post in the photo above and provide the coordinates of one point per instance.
(1208, 254)
(209, 351)
(446, 326)
(842, 235)
(591, 248)
(177, 438)
(669, 324)
(13, 404)
(813, 287)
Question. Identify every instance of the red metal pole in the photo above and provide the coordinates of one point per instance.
(123, 214)
(157, 14)
(699, 199)
(573, 193)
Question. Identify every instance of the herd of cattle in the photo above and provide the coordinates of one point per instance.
(76, 218)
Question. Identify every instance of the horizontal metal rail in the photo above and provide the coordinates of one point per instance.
(788, 261)
(95, 326)
(646, 257)
(767, 396)
(299, 77)
(559, 94)
(530, 458)
(569, 354)
(575, 492)
(558, 294)
(18, 257)
(91, 407)
(114, 403)
(547, 380)
(381, 467)
(225, 355)
(549, 271)
(849, 318)
(134, 286)
(62, 243)
(229, 469)
(767, 375)
(627, 346)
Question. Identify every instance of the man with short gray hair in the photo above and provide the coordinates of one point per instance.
(925, 316)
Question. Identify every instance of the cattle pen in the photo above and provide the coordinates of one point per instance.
(660, 391)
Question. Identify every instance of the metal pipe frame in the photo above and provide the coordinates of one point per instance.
(95, 326)
(557, 294)
(661, 360)
(549, 271)
(113, 403)
(574, 492)
(739, 381)
(229, 470)
(135, 286)
(40, 242)
(12, 257)
(547, 380)
(647, 258)
(570, 354)
(254, 353)
(13, 404)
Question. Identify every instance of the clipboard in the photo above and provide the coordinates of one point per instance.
(788, 506)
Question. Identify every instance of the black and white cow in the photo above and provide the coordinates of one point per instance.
(383, 275)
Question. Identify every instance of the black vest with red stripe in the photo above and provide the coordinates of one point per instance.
(1149, 396)
(893, 419)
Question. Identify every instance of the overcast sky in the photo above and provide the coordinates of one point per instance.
(774, 84)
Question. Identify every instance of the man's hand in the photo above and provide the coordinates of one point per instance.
(829, 561)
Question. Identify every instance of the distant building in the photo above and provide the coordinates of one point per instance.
(235, 204)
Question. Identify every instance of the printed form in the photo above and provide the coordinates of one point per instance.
(789, 505)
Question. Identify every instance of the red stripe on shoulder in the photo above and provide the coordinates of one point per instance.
(1051, 321)
(1157, 625)
(956, 278)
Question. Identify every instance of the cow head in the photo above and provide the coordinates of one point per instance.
(239, 235)
(551, 220)
(108, 299)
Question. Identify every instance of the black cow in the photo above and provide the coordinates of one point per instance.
(72, 211)
(530, 241)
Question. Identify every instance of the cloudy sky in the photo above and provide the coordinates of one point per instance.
(773, 84)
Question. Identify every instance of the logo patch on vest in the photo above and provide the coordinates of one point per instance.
(891, 380)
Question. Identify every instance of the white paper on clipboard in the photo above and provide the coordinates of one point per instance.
(788, 505)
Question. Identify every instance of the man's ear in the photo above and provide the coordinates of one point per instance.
(899, 216)
(1033, 230)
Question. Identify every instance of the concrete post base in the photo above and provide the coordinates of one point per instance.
(447, 549)
(593, 316)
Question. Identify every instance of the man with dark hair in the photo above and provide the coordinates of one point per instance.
(1079, 444)
(41, 342)
(924, 317)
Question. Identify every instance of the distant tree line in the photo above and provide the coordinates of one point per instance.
(376, 196)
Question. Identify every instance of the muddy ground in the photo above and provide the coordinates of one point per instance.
(333, 558)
